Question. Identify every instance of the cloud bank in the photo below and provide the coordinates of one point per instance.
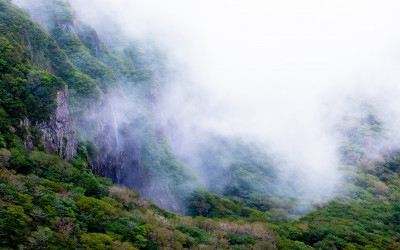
(273, 72)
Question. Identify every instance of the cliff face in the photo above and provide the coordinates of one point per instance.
(117, 141)
(58, 134)
(132, 149)
(121, 131)
(100, 126)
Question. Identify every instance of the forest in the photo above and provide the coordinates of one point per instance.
(134, 192)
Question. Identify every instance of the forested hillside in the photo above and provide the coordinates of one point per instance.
(81, 142)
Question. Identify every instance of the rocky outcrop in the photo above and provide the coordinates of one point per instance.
(118, 146)
(58, 133)
(59, 136)
(98, 126)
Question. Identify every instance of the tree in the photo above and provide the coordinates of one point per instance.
(96, 241)
(5, 156)
(16, 223)
(41, 238)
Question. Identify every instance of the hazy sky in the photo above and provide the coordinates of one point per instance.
(274, 70)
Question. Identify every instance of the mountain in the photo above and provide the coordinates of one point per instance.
(82, 140)
(127, 151)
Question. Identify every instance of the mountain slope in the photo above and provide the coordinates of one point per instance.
(122, 125)
(49, 201)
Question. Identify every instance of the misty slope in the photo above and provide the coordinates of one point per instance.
(47, 202)
(120, 126)
(123, 134)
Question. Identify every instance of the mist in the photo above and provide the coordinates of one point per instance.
(276, 75)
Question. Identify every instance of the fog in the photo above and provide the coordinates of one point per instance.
(278, 74)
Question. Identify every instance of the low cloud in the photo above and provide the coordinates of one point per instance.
(275, 73)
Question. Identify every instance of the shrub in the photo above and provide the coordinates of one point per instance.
(198, 234)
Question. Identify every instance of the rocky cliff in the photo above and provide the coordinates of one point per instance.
(115, 89)
(58, 133)
(130, 147)
(119, 151)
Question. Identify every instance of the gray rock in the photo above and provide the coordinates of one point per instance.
(59, 134)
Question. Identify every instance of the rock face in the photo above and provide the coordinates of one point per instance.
(119, 155)
(59, 134)
(124, 149)
(98, 126)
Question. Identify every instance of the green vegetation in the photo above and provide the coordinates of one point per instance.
(245, 179)
(24, 92)
(33, 68)
(61, 28)
(365, 214)
(160, 162)
(46, 202)
(49, 203)
(72, 54)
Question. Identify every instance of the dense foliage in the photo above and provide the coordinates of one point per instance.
(27, 54)
(48, 203)
(245, 179)
(25, 91)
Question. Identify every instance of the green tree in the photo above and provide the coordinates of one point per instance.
(96, 241)
(16, 223)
